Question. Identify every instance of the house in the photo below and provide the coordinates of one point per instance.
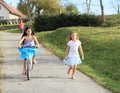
(9, 14)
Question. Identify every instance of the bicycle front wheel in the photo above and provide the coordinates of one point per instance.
(28, 70)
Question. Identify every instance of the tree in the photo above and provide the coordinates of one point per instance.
(34, 7)
(71, 9)
(26, 7)
(47, 6)
(102, 11)
(22, 7)
(88, 4)
(116, 6)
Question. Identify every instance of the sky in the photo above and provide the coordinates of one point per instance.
(95, 5)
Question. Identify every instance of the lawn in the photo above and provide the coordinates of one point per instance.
(101, 47)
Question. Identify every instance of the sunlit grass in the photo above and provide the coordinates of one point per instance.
(13, 30)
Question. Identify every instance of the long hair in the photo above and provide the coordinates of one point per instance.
(26, 28)
(76, 35)
(25, 34)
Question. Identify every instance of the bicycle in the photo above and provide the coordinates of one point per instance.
(27, 53)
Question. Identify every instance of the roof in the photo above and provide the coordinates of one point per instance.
(12, 9)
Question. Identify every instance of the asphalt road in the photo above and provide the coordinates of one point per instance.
(48, 76)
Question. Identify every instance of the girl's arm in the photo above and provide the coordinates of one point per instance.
(20, 42)
(67, 50)
(81, 51)
(36, 41)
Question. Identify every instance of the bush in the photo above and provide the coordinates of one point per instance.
(7, 27)
(50, 22)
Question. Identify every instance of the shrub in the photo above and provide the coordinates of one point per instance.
(51, 22)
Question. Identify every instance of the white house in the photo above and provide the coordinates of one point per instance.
(9, 13)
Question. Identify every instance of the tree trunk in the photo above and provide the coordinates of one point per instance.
(28, 10)
(88, 4)
(102, 11)
(118, 6)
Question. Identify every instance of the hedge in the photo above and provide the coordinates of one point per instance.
(52, 22)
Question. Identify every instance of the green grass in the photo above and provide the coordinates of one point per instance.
(13, 26)
(101, 47)
(112, 20)
(13, 30)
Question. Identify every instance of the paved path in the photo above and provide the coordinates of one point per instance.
(48, 76)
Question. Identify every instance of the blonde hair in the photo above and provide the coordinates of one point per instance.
(76, 35)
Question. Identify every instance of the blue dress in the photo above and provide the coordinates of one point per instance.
(28, 51)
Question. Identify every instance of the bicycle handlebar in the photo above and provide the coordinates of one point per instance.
(28, 52)
(28, 47)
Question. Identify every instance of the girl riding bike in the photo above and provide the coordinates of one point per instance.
(28, 39)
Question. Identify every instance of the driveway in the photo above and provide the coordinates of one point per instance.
(48, 76)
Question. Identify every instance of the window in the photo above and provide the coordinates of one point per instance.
(1, 17)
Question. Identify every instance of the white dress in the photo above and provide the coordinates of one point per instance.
(73, 57)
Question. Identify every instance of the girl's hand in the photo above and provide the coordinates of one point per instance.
(82, 57)
(19, 46)
(37, 46)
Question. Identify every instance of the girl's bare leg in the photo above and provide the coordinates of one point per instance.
(24, 67)
(74, 71)
(69, 69)
(34, 61)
